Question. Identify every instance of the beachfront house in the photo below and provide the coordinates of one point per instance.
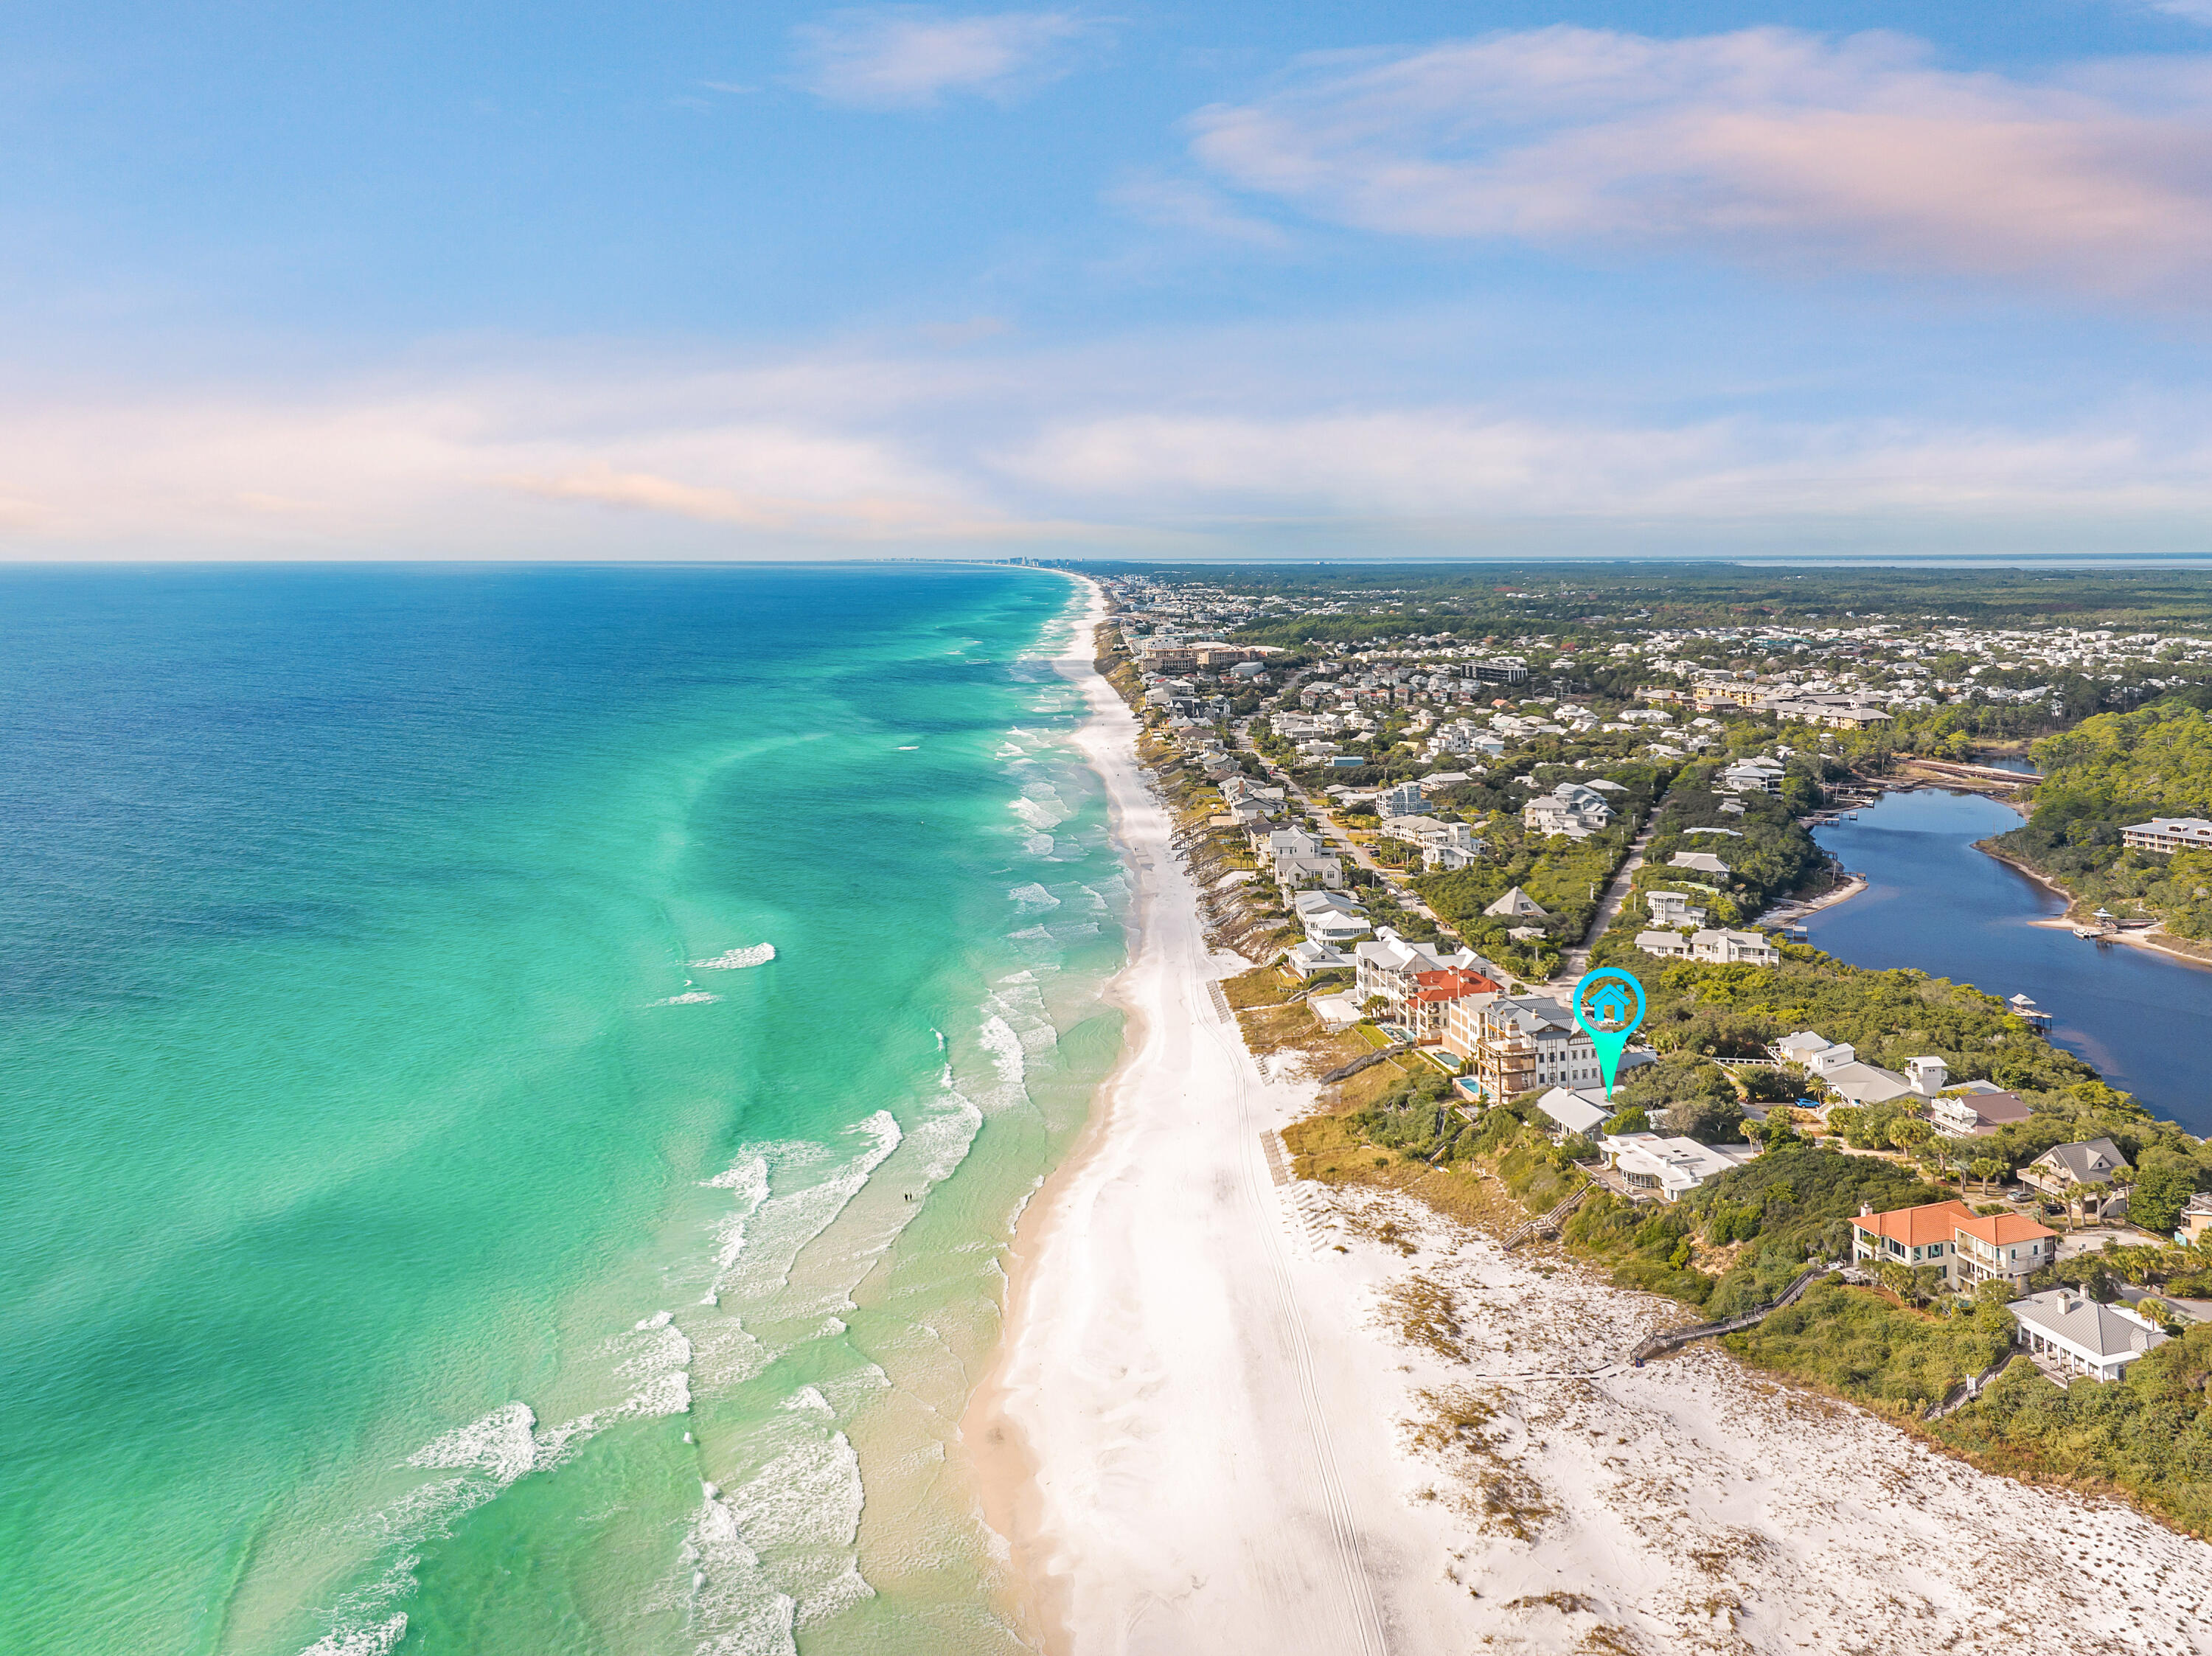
(1670, 1168)
(1667, 945)
(1966, 1247)
(2078, 1336)
(2090, 1175)
(1512, 1044)
(1427, 1005)
(1575, 1110)
(1330, 917)
(1305, 959)
(1392, 968)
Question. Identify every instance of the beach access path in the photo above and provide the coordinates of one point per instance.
(1180, 1458)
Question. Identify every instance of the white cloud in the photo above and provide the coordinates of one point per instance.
(1173, 445)
(1187, 204)
(1471, 464)
(912, 57)
(1767, 146)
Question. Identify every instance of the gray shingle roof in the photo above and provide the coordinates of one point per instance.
(2083, 1163)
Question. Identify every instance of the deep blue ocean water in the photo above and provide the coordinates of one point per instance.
(432, 1218)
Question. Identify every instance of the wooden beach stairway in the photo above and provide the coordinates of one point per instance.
(1675, 1338)
(1548, 1224)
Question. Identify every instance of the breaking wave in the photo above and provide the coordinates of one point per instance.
(759, 955)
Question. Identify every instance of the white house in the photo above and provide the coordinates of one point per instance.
(1734, 949)
(1799, 1048)
(2096, 1341)
(1444, 845)
(1975, 1112)
(1926, 1075)
(1305, 959)
(1865, 1083)
(1703, 862)
(2168, 833)
(1548, 813)
(1672, 909)
(1667, 945)
(1329, 918)
(1575, 1109)
(1671, 1168)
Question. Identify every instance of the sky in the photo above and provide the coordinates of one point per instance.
(690, 280)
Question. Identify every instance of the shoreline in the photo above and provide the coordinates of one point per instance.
(1008, 1474)
(1189, 1437)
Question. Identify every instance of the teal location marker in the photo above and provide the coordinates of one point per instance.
(1609, 1006)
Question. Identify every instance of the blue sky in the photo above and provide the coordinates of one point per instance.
(697, 280)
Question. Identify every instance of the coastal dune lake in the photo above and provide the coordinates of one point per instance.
(517, 1082)
(1933, 901)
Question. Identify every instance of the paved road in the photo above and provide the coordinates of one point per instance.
(1575, 962)
(1393, 879)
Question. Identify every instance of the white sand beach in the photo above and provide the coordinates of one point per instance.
(1229, 1417)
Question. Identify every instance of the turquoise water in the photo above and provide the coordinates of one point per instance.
(409, 1142)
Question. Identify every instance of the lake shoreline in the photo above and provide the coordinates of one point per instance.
(1941, 900)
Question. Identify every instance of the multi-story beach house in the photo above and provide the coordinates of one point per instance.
(1425, 1008)
(1511, 1044)
(2091, 1174)
(1672, 909)
(1393, 968)
(1966, 1246)
(1444, 845)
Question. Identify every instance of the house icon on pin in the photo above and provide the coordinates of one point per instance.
(1610, 1005)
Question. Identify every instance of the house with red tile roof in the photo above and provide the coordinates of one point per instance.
(1966, 1246)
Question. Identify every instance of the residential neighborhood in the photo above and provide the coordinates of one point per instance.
(1443, 831)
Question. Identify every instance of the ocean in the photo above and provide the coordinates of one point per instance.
(517, 1082)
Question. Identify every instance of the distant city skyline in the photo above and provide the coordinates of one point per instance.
(1402, 281)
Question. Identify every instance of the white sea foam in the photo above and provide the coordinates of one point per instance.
(361, 1641)
(503, 1443)
(1038, 845)
(759, 955)
(1005, 1048)
(807, 1399)
(1039, 814)
(693, 998)
(1034, 895)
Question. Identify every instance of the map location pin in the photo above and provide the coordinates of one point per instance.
(1609, 1006)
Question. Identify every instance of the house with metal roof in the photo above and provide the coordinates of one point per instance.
(2082, 1337)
